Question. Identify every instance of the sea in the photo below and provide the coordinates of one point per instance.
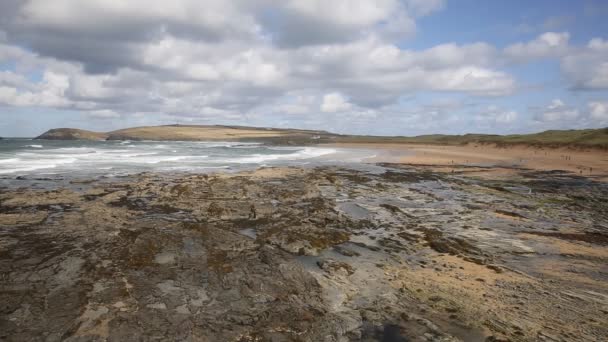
(23, 158)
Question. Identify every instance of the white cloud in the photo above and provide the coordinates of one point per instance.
(374, 73)
(506, 117)
(182, 77)
(450, 54)
(334, 102)
(103, 114)
(493, 116)
(557, 111)
(598, 44)
(356, 13)
(587, 68)
(471, 79)
(209, 19)
(12, 79)
(216, 61)
(319, 22)
(549, 44)
(599, 111)
(50, 92)
(302, 104)
(8, 95)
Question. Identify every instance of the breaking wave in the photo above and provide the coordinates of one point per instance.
(128, 157)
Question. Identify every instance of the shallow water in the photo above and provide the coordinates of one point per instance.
(26, 157)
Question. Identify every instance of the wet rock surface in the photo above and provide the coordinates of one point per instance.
(323, 254)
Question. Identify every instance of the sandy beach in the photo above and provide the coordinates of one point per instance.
(592, 164)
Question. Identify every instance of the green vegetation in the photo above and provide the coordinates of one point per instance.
(193, 133)
(586, 138)
(72, 134)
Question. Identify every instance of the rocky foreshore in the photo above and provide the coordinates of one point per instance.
(320, 254)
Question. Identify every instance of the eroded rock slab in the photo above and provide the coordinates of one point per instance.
(322, 254)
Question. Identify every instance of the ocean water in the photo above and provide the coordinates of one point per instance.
(26, 157)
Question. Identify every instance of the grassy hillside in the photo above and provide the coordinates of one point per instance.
(72, 134)
(181, 132)
(193, 133)
(586, 138)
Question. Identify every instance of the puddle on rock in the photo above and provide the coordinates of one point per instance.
(249, 232)
(354, 211)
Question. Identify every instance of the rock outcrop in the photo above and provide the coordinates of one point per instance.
(330, 255)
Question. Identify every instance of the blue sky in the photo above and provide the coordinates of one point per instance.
(388, 67)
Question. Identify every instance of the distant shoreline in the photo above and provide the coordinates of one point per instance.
(596, 139)
(485, 159)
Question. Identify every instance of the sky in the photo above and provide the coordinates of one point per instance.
(381, 67)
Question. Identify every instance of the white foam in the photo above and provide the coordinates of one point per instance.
(306, 153)
(134, 155)
(245, 146)
(225, 144)
(187, 156)
(9, 160)
(34, 146)
(75, 149)
(166, 159)
(32, 165)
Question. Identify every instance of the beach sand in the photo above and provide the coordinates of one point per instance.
(501, 160)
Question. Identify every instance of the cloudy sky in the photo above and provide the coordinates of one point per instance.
(389, 67)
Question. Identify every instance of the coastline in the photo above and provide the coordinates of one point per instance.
(592, 164)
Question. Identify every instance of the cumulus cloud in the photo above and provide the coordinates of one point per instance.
(549, 44)
(181, 77)
(300, 104)
(318, 22)
(49, 92)
(599, 111)
(506, 117)
(103, 114)
(64, 29)
(334, 102)
(557, 111)
(284, 61)
(560, 115)
(492, 116)
(298, 23)
(587, 68)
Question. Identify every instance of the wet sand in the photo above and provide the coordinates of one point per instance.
(397, 253)
(588, 163)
